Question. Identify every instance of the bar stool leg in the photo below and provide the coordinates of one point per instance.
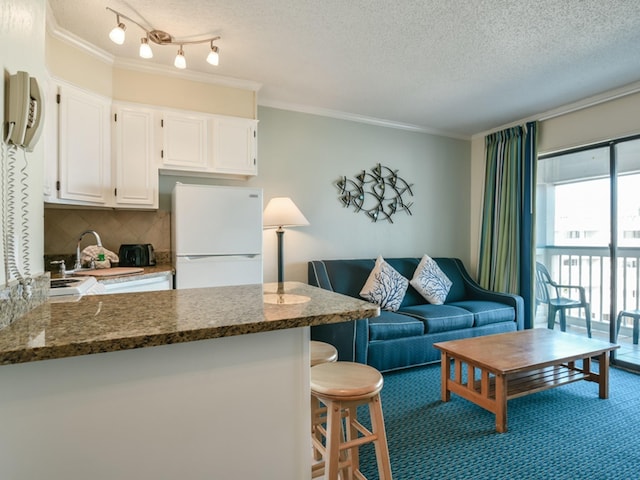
(381, 448)
(334, 431)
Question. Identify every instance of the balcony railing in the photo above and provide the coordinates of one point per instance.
(590, 267)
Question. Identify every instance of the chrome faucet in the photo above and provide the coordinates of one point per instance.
(78, 264)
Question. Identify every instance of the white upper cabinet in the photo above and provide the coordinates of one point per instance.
(84, 163)
(208, 145)
(184, 141)
(103, 158)
(135, 171)
(234, 143)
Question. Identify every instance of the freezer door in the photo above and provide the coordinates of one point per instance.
(211, 220)
(218, 271)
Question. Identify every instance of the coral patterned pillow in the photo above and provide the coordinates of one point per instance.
(430, 281)
(385, 286)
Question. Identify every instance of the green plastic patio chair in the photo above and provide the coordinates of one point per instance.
(550, 293)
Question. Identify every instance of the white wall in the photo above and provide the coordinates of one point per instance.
(614, 118)
(22, 48)
(302, 156)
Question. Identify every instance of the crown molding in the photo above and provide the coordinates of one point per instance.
(588, 102)
(352, 117)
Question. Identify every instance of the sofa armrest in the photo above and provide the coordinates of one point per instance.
(351, 338)
(476, 292)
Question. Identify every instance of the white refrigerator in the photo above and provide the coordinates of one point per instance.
(216, 235)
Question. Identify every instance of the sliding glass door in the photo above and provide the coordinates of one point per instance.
(588, 238)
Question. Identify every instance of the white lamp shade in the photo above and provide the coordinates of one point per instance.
(282, 212)
(117, 34)
(180, 61)
(145, 49)
(213, 58)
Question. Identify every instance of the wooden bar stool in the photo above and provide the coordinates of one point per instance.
(321, 352)
(342, 387)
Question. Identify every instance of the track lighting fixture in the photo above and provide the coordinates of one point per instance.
(117, 35)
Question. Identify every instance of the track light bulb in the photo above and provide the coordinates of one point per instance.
(117, 34)
(213, 58)
(145, 48)
(180, 61)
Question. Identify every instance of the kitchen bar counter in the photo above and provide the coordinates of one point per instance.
(107, 323)
(224, 392)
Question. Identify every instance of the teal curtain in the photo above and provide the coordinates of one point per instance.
(507, 238)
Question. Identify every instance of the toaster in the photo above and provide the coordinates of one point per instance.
(136, 255)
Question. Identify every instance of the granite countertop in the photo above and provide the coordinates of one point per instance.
(107, 323)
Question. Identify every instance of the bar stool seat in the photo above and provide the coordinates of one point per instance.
(342, 387)
(322, 352)
(635, 315)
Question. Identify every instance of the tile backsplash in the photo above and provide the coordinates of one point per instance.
(62, 228)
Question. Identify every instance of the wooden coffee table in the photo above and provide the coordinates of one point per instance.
(510, 365)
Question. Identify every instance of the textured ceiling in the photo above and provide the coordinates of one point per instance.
(457, 67)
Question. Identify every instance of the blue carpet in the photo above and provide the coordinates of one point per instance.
(566, 433)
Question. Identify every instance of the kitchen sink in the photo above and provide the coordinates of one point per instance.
(70, 286)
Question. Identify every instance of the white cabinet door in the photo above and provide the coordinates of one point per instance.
(135, 172)
(234, 145)
(184, 141)
(84, 158)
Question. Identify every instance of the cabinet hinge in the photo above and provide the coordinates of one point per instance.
(58, 98)
(58, 185)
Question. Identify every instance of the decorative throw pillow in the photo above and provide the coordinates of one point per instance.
(385, 286)
(430, 281)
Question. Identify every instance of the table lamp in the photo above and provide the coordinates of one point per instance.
(282, 212)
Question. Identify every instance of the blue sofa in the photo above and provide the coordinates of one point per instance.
(405, 338)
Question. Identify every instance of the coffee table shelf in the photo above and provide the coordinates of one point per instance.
(525, 383)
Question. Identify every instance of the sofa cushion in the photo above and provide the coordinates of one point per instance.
(440, 318)
(385, 286)
(430, 281)
(486, 312)
(390, 325)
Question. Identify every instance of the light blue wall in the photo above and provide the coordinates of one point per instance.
(302, 155)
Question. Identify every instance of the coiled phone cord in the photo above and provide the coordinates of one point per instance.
(8, 185)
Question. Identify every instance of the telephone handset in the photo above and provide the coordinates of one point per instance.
(25, 110)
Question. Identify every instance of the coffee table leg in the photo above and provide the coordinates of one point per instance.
(501, 403)
(445, 373)
(603, 375)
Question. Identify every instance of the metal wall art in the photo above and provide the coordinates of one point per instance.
(379, 193)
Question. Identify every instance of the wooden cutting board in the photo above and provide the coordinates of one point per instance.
(110, 272)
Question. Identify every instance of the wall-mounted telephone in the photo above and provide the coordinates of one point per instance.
(25, 110)
(24, 117)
